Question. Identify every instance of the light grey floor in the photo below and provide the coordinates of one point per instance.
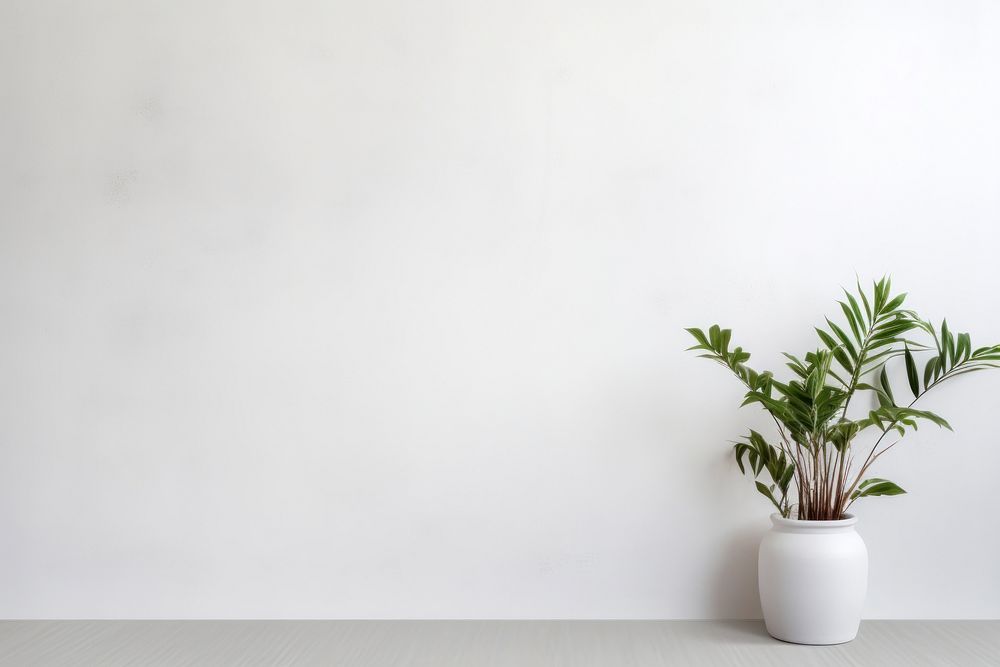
(482, 643)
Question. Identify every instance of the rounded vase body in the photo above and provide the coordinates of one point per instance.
(813, 579)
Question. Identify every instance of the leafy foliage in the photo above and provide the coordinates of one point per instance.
(814, 456)
(717, 345)
(875, 332)
(761, 455)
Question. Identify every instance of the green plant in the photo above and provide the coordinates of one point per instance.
(813, 457)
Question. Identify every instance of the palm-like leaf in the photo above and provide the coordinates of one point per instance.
(875, 332)
(953, 356)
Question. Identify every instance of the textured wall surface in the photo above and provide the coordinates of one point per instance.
(374, 309)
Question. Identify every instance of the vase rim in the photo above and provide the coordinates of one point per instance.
(800, 524)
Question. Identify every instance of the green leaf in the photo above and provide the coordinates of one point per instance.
(880, 295)
(930, 416)
(786, 477)
(911, 373)
(827, 339)
(929, 371)
(876, 487)
(839, 379)
(964, 346)
(864, 300)
(836, 349)
(894, 304)
(699, 336)
(893, 328)
(862, 322)
(740, 449)
(767, 492)
(883, 380)
(852, 319)
(714, 336)
(943, 349)
(844, 339)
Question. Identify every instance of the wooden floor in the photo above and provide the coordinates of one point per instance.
(482, 643)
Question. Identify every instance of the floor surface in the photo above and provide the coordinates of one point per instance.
(485, 643)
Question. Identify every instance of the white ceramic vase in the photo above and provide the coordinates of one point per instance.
(813, 578)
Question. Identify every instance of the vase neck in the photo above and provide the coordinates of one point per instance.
(844, 525)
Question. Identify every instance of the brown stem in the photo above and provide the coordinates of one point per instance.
(867, 465)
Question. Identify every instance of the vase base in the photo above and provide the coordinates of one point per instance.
(812, 641)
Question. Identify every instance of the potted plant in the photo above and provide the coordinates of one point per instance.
(812, 565)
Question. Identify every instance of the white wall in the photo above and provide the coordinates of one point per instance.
(374, 309)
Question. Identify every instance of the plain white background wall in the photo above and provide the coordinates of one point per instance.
(374, 309)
